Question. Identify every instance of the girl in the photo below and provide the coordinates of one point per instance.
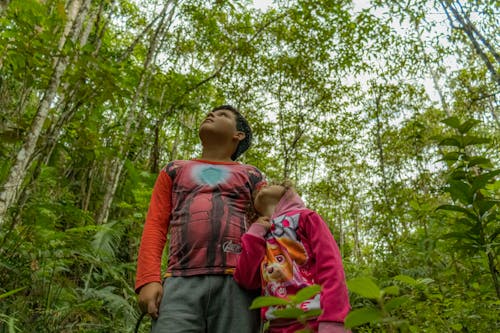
(290, 247)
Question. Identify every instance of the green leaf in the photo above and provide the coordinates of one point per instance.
(480, 161)
(453, 122)
(474, 140)
(391, 290)
(494, 235)
(493, 187)
(306, 293)
(425, 281)
(311, 313)
(395, 303)
(457, 174)
(406, 279)
(450, 142)
(288, 313)
(459, 235)
(362, 316)
(460, 190)
(365, 287)
(12, 292)
(459, 209)
(480, 181)
(452, 156)
(485, 205)
(263, 301)
(414, 204)
(467, 125)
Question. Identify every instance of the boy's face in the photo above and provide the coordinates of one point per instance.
(268, 195)
(220, 122)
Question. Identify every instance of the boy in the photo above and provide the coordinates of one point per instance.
(202, 204)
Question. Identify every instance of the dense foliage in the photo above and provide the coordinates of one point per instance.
(385, 114)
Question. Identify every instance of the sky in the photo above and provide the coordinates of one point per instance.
(362, 4)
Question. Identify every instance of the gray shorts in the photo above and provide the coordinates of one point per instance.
(205, 304)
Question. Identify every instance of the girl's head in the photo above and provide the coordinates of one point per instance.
(268, 196)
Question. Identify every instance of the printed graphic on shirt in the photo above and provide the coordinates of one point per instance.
(231, 247)
(210, 174)
(283, 268)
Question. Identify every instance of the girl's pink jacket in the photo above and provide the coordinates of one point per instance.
(299, 250)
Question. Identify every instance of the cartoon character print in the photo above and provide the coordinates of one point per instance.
(284, 254)
(281, 267)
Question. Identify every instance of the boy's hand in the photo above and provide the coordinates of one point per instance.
(150, 298)
(264, 221)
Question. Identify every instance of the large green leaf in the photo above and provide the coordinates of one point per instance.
(365, 287)
(460, 191)
(296, 313)
(455, 142)
(453, 122)
(474, 140)
(406, 279)
(395, 303)
(288, 313)
(306, 293)
(463, 236)
(480, 181)
(467, 125)
(362, 316)
(485, 205)
(391, 290)
(457, 174)
(460, 209)
(452, 156)
(263, 301)
(480, 161)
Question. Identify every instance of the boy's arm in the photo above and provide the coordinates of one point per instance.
(247, 272)
(154, 234)
(330, 273)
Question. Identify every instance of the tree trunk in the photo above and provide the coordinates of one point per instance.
(24, 158)
(117, 163)
(494, 272)
(383, 174)
(471, 32)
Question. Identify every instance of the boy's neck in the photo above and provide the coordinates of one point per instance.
(215, 155)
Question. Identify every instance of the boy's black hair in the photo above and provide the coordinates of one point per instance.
(241, 125)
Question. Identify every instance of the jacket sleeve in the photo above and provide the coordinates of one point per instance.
(329, 269)
(247, 272)
(154, 234)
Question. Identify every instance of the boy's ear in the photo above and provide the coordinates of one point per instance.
(240, 135)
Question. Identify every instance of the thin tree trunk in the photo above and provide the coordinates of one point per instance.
(470, 32)
(493, 114)
(73, 104)
(87, 187)
(482, 39)
(442, 99)
(494, 272)
(24, 158)
(355, 215)
(53, 134)
(383, 172)
(118, 162)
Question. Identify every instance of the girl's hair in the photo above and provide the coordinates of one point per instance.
(251, 213)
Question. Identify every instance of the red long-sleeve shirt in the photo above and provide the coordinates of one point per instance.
(201, 205)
